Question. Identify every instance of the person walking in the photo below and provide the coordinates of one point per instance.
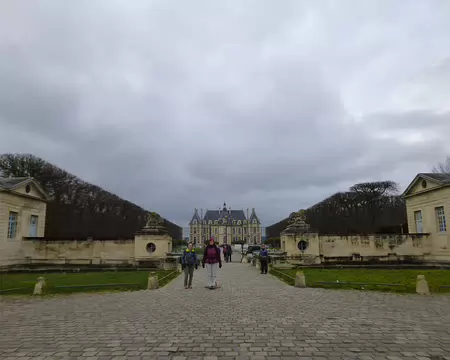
(264, 259)
(212, 260)
(188, 263)
(229, 252)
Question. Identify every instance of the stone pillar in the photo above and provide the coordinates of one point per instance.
(152, 283)
(300, 280)
(422, 285)
(299, 241)
(153, 241)
(39, 288)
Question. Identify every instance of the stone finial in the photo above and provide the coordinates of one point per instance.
(154, 219)
(39, 288)
(297, 217)
(154, 225)
(152, 283)
(300, 280)
(297, 223)
(422, 285)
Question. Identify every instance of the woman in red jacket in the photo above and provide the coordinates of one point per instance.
(211, 259)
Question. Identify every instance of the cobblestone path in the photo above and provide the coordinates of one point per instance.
(251, 316)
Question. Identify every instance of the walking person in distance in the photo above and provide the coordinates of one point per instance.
(264, 259)
(188, 263)
(212, 260)
(229, 252)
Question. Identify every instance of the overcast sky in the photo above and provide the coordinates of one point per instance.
(176, 105)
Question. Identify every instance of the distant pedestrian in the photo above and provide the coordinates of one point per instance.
(188, 263)
(225, 252)
(264, 259)
(229, 252)
(212, 260)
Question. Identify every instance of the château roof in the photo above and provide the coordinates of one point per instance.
(440, 177)
(225, 214)
(220, 214)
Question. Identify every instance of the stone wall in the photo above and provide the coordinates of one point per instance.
(89, 252)
(363, 248)
(77, 252)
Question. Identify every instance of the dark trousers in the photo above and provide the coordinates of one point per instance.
(264, 266)
(188, 273)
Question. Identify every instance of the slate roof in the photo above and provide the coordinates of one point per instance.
(195, 217)
(11, 183)
(219, 214)
(225, 213)
(253, 216)
(441, 177)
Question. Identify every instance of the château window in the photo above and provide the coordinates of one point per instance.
(418, 221)
(195, 222)
(209, 222)
(239, 222)
(440, 217)
(33, 226)
(254, 221)
(12, 224)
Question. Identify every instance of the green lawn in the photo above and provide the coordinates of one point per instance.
(405, 277)
(25, 282)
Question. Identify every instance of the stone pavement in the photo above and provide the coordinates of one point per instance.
(251, 316)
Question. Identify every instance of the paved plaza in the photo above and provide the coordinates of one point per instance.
(251, 316)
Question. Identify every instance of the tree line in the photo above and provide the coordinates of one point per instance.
(367, 208)
(78, 209)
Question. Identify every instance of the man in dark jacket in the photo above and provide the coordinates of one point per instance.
(264, 259)
(229, 253)
(188, 263)
(211, 259)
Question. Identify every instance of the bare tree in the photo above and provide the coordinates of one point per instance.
(443, 167)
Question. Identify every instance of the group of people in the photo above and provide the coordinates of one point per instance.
(212, 260)
(227, 252)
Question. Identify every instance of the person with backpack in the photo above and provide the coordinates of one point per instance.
(188, 263)
(264, 259)
(212, 260)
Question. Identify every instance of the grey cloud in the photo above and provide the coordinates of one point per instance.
(181, 105)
